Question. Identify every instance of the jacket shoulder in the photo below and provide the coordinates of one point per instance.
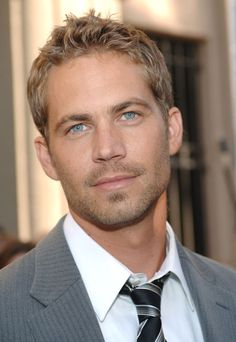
(222, 275)
(15, 300)
(16, 279)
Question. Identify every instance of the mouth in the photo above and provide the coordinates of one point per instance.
(114, 182)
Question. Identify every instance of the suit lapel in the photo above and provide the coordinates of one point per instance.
(67, 313)
(214, 304)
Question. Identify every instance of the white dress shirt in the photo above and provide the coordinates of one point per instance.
(104, 276)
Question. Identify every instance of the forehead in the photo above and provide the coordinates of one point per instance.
(95, 80)
(108, 63)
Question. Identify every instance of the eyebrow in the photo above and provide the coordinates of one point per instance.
(133, 101)
(113, 109)
(72, 117)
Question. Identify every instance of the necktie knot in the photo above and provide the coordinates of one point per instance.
(147, 299)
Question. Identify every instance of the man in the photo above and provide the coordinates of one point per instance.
(100, 95)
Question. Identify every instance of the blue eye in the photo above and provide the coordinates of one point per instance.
(129, 116)
(78, 128)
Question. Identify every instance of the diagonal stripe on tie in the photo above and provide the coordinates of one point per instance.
(147, 299)
(147, 310)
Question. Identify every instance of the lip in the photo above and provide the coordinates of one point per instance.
(114, 182)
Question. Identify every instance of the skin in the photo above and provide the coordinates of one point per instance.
(109, 147)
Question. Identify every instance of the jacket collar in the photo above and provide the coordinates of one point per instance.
(214, 302)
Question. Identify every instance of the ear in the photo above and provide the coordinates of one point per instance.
(45, 158)
(175, 130)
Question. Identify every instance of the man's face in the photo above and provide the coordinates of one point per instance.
(108, 143)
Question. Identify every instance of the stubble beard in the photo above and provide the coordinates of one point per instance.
(119, 208)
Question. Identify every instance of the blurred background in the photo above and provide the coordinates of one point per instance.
(198, 39)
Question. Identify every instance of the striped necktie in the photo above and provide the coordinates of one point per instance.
(147, 299)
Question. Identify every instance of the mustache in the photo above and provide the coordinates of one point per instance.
(133, 169)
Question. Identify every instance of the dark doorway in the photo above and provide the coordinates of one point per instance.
(185, 191)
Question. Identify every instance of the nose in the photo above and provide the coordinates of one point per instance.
(108, 144)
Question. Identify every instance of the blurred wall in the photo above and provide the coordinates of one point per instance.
(8, 207)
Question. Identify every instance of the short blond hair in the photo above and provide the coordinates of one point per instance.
(85, 35)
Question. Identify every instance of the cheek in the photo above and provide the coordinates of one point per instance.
(149, 145)
(70, 163)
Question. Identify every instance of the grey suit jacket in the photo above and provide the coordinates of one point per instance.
(43, 298)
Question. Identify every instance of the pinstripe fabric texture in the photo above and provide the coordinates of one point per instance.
(43, 298)
(147, 299)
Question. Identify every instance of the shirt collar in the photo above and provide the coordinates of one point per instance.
(102, 274)
(172, 264)
(108, 275)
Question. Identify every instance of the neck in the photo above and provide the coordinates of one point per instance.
(140, 247)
